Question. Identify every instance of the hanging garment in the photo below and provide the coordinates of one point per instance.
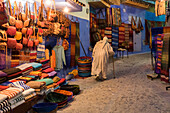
(60, 57)
(41, 50)
(160, 7)
(101, 53)
(73, 38)
(77, 44)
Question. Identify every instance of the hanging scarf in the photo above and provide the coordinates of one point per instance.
(73, 38)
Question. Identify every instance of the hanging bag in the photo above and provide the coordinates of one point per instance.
(11, 43)
(24, 40)
(19, 23)
(19, 46)
(11, 30)
(3, 14)
(30, 42)
(133, 23)
(27, 21)
(138, 28)
(12, 20)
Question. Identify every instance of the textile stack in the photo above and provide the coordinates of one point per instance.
(84, 66)
(5, 105)
(14, 95)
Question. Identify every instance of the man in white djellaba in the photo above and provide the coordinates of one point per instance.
(101, 52)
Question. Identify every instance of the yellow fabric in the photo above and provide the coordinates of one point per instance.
(18, 35)
(53, 60)
(47, 54)
(150, 39)
(74, 72)
(36, 73)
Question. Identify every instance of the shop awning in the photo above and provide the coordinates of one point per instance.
(99, 4)
(135, 4)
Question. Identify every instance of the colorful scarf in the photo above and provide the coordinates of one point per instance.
(73, 39)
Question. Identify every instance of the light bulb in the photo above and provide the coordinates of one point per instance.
(47, 2)
(66, 10)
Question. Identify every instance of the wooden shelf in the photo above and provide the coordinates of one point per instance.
(99, 4)
(135, 4)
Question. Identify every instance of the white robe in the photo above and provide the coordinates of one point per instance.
(100, 55)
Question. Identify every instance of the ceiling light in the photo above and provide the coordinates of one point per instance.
(66, 10)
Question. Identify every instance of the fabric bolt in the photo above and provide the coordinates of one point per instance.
(14, 75)
(16, 99)
(24, 66)
(35, 65)
(5, 109)
(48, 70)
(165, 56)
(36, 73)
(3, 104)
(11, 92)
(3, 97)
(53, 73)
(3, 87)
(61, 82)
(48, 81)
(20, 84)
(45, 67)
(3, 79)
(73, 38)
(44, 75)
(11, 71)
(56, 79)
(35, 84)
(17, 104)
(77, 44)
(60, 57)
(2, 74)
(5, 83)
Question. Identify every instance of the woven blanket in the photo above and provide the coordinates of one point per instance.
(20, 84)
(165, 56)
(3, 104)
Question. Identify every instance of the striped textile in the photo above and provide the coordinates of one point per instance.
(3, 97)
(3, 104)
(28, 92)
(121, 35)
(115, 37)
(108, 33)
(33, 54)
(17, 104)
(165, 55)
(73, 38)
(20, 84)
(159, 45)
(41, 50)
(5, 109)
(11, 92)
(16, 100)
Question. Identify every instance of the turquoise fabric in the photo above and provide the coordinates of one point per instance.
(35, 65)
(48, 81)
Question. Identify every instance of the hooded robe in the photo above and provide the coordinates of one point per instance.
(101, 52)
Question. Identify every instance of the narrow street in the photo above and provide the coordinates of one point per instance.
(130, 92)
